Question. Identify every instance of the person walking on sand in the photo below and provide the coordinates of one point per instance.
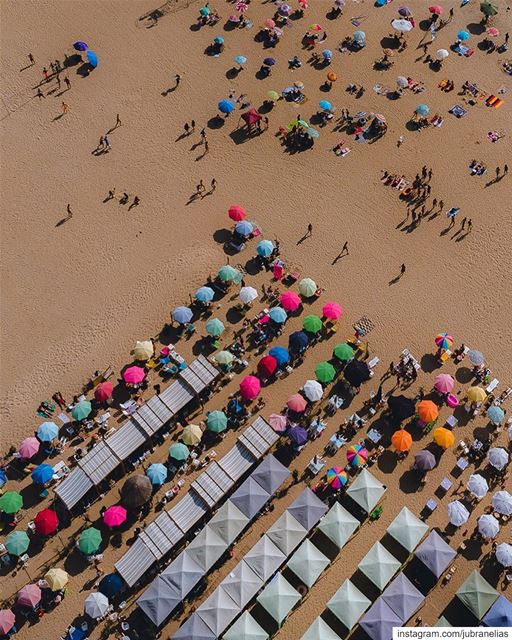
(200, 187)
(101, 144)
(70, 213)
(202, 133)
(45, 73)
(310, 230)
(106, 141)
(186, 128)
(505, 169)
(344, 249)
(441, 205)
(213, 185)
(31, 59)
(192, 126)
(111, 194)
(65, 108)
(463, 223)
(68, 82)
(118, 122)
(58, 81)
(470, 226)
(402, 270)
(178, 80)
(498, 171)
(40, 94)
(206, 147)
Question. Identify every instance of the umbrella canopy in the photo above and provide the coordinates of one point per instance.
(313, 390)
(476, 394)
(103, 391)
(178, 451)
(356, 372)
(204, 294)
(331, 76)
(407, 529)
(267, 366)
(278, 598)
(278, 315)
(236, 212)
(182, 315)
(29, 447)
(405, 12)
(493, 32)
(296, 403)
(134, 375)
(11, 502)
(191, 434)
(144, 349)
(495, 414)
(250, 388)
(315, 27)
(7, 620)
(251, 117)
(307, 563)
(281, 355)
(245, 628)
(215, 327)
(442, 54)
(422, 110)
(290, 301)
(402, 82)
(379, 621)
(47, 431)
(265, 248)
(157, 473)
(244, 228)
(498, 458)
(477, 594)
(278, 422)
(226, 106)
(488, 9)
(401, 407)
(463, 36)
(224, 357)
(136, 491)
(435, 553)
(227, 273)
(444, 383)
(298, 341)
(114, 516)
(3, 478)
(218, 40)
(42, 474)
(343, 352)
(325, 105)
(477, 485)
(444, 340)
(312, 324)
(379, 565)
(273, 95)
(436, 9)
(56, 578)
(504, 554)
(427, 411)
(29, 596)
(307, 287)
(241, 60)
(457, 513)
(336, 477)
(228, 522)
(17, 543)
(502, 503)
(80, 46)
(325, 372)
(284, 10)
(46, 522)
(357, 455)
(500, 614)
(424, 460)
(89, 541)
(96, 605)
(92, 59)
(401, 25)
(298, 435)
(401, 440)
(338, 525)
(488, 526)
(366, 490)
(217, 421)
(476, 357)
(348, 604)
(110, 585)
(359, 36)
(403, 597)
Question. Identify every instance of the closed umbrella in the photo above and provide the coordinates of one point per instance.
(226, 106)
(89, 541)
(215, 327)
(444, 383)
(488, 526)
(29, 596)
(250, 387)
(11, 502)
(502, 503)
(42, 474)
(204, 294)
(244, 228)
(29, 447)
(457, 513)
(307, 287)
(312, 324)
(504, 554)
(248, 294)
(103, 391)
(476, 394)
(422, 110)
(343, 352)
(325, 372)
(182, 315)
(110, 585)
(217, 421)
(265, 248)
(96, 605)
(56, 578)
(7, 620)
(401, 25)
(298, 436)
(144, 349)
(424, 460)
(134, 375)
(332, 310)
(114, 516)
(157, 474)
(498, 458)
(313, 390)
(267, 366)
(444, 438)
(224, 357)
(298, 341)
(278, 315)
(278, 422)
(296, 403)
(401, 440)
(476, 357)
(336, 477)
(281, 355)
(290, 301)
(236, 212)
(442, 54)
(46, 522)
(17, 543)
(427, 411)
(179, 452)
(477, 485)
(228, 274)
(495, 414)
(47, 432)
(136, 491)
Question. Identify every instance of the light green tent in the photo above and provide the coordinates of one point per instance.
(366, 490)
(442, 622)
(477, 594)
(229, 522)
(286, 533)
(245, 628)
(379, 565)
(307, 563)
(338, 525)
(407, 529)
(348, 604)
(320, 630)
(206, 548)
(278, 598)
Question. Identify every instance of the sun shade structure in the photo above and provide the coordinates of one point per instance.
(191, 434)
(403, 597)
(270, 474)
(96, 605)
(296, 403)
(379, 565)
(241, 584)
(498, 458)
(48, 431)
(286, 533)
(307, 509)
(401, 407)
(245, 628)
(194, 629)
(427, 411)
(46, 522)
(401, 440)
(11, 502)
(307, 287)
(348, 604)
(476, 394)
(136, 491)
(407, 529)
(81, 410)
(157, 474)
(338, 525)
(278, 598)
(111, 584)
(206, 548)
(435, 554)
(30, 446)
(17, 542)
(250, 388)
(89, 541)
(264, 558)
(217, 611)
(313, 390)
(495, 414)
(250, 497)
(42, 474)
(307, 563)
(56, 578)
(366, 491)
(229, 522)
(444, 438)
(114, 516)
(103, 391)
(500, 614)
(7, 620)
(134, 375)
(320, 630)
(477, 485)
(183, 574)
(379, 620)
(477, 594)
(343, 352)
(159, 601)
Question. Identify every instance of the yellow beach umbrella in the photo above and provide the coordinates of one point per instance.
(57, 579)
(143, 350)
(191, 434)
(444, 438)
(476, 394)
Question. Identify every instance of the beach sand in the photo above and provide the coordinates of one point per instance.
(77, 295)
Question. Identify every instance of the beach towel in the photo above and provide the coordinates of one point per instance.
(342, 152)
(458, 111)
(363, 326)
(463, 51)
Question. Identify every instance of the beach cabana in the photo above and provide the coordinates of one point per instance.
(278, 598)
(241, 584)
(307, 563)
(320, 630)
(159, 600)
(366, 491)
(218, 611)
(407, 529)
(287, 533)
(500, 614)
(270, 474)
(245, 628)
(403, 597)
(206, 548)
(229, 522)
(379, 565)
(379, 620)
(250, 497)
(264, 558)
(194, 628)
(348, 604)
(477, 594)
(307, 509)
(183, 574)
(338, 525)
(435, 553)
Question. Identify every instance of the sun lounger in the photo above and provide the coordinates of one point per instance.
(458, 111)
(492, 385)
(431, 505)
(373, 362)
(462, 464)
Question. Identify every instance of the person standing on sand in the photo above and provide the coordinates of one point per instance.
(213, 185)
(206, 147)
(68, 82)
(402, 270)
(106, 142)
(200, 187)
(31, 59)
(178, 80)
(65, 108)
(310, 230)
(463, 223)
(470, 226)
(192, 126)
(111, 194)
(505, 169)
(40, 94)
(441, 206)
(344, 249)
(45, 73)
(202, 133)
(186, 128)
(70, 213)
(118, 122)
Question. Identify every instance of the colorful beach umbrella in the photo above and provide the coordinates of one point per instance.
(332, 311)
(267, 366)
(476, 394)
(495, 414)
(157, 473)
(3, 478)
(81, 410)
(214, 327)
(103, 391)
(343, 352)
(228, 274)
(423, 110)
(17, 543)
(191, 434)
(313, 390)
(79, 45)
(47, 432)
(250, 388)
(444, 383)
(204, 11)
(42, 474)
(269, 23)
(248, 295)
(56, 578)
(11, 502)
(179, 451)
(442, 54)
(357, 455)
(463, 36)
(226, 107)
(134, 375)
(290, 301)
(29, 596)
(264, 248)
(298, 435)
(315, 27)
(493, 32)
(336, 477)
(236, 212)
(401, 25)
(298, 341)
(46, 522)
(325, 372)
(405, 12)
(443, 340)
(218, 40)
(477, 485)
(444, 438)
(273, 95)
(182, 315)
(427, 411)
(296, 403)
(281, 355)
(240, 60)
(92, 59)
(307, 287)
(89, 541)
(401, 440)
(143, 350)
(217, 421)
(488, 9)
(29, 447)
(312, 324)
(502, 503)
(504, 554)
(114, 516)
(327, 55)
(359, 36)
(7, 620)
(278, 422)
(204, 294)
(96, 605)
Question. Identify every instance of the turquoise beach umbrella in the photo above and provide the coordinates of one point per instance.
(47, 431)
(81, 410)
(264, 248)
(215, 327)
(157, 473)
(17, 543)
(179, 451)
(217, 421)
(204, 294)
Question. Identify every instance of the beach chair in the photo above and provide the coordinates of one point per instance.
(431, 505)
(492, 385)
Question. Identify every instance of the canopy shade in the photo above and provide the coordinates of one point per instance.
(229, 522)
(46, 522)
(47, 431)
(17, 542)
(29, 595)
(435, 553)
(245, 628)
(307, 509)
(379, 620)
(286, 533)
(270, 474)
(338, 525)
(217, 611)
(320, 630)
(366, 491)
(348, 604)
(307, 563)
(242, 584)
(278, 598)
(407, 529)
(502, 502)
(194, 629)
(264, 558)
(136, 491)
(477, 594)
(500, 614)
(96, 605)
(424, 460)
(488, 526)
(403, 597)
(56, 578)
(250, 497)
(206, 548)
(159, 600)
(251, 116)
(183, 573)
(379, 565)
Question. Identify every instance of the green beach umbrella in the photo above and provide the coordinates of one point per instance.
(82, 410)
(488, 9)
(215, 327)
(11, 502)
(17, 543)
(179, 451)
(224, 357)
(343, 352)
(228, 273)
(89, 541)
(325, 372)
(312, 324)
(217, 421)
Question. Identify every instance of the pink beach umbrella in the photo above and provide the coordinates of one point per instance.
(269, 23)
(296, 403)
(278, 422)
(250, 387)
(103, 391)
(29, 596)
(290, 301)
(444, 383)
(7, 620)
(241, 6)
(332, 310)
(303, 4)
(29, 447)
(493, 32)
(114, 516)
(134, 375)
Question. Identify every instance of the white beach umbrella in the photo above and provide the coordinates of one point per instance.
(96, 605)
(502, 503)
(457, 513)
(402, 82)
(504, 554)
(488, 526)
(477, 485)
(442, 54)
(313, 390)
(248, 294)
(403, 26)
(498, 457)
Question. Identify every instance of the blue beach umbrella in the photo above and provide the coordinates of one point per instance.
(218, 40)
(234, 407)
(269, 62)
(3, 478)
(423, 110)
(110, 585)
(325, 105)
(215, 327)
(80, 45)
(182, 315)
(47, 431)
(313, 133)
(204, 11)
(359, 36)
(495, 414)
(157, 474)
(42, 474)
(278, 314)
(240, 59)
(264, 248)
(244, 228)
(204, 294)
(327, 54)
(226, 106)
(298, 340)
(463, 35)
(92, 59)
(280, 354)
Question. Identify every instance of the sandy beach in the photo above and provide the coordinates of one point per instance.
(77, 292)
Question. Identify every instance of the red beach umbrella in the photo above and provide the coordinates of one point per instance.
(267, 366)
(103, 391)
(236, 212)
(46, 522)
(436, 9)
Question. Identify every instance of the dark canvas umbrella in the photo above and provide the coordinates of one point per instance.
(424, 460)
(401, 407)
(356, 372)
(110, 585)
(298, 436)
(136, 491)
(298, 341)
